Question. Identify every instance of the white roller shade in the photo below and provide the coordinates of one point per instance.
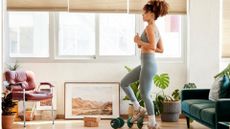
(98, 5)
(133, 6)
(37, 5)
(136, 6)
(177, 6)
(226, 29)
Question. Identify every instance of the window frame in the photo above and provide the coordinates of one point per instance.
(53, 45)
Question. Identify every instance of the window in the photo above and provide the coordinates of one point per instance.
(116, 35)
(76, 34)
(171, 34)
(29, 34)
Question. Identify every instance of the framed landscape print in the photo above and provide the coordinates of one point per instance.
(92, 99)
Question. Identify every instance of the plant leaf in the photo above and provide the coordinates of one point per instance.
(129, 69)
(126, 98)
(162, 80)
(226, 72)
(134, 87)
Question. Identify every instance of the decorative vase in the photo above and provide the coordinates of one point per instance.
(171, 111)
(7, 121)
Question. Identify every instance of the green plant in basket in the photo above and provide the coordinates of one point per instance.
(164, 102)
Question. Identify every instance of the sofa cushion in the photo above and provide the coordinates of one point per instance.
(187, 103)
(195, 109)
(215, 89)
(208, 115)
(225, 87)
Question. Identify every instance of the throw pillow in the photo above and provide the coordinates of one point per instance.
(215, 89)
(225, 88)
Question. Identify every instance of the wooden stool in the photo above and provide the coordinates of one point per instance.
(91, 121)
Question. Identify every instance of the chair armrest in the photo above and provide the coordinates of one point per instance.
(21, 84)
(194, 94)
(46, 83)
(222, 109)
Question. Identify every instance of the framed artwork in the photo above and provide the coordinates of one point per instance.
(46, 104)
(84, 99)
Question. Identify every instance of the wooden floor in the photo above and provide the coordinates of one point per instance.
(104, 124)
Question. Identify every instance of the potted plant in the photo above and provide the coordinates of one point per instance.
(167, 105)
(7, 113)
(189, 86)
(13, 67)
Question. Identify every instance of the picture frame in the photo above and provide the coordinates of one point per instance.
(46, 104)
(90, 99)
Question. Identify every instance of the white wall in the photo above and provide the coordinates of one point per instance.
(204, 41)
(1, 42)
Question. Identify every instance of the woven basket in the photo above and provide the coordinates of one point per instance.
(171, 111)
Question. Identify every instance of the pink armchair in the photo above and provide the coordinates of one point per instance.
(23, 88)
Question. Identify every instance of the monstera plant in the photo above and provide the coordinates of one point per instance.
(168, 106)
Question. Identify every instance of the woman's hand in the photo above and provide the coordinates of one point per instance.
(137, 39)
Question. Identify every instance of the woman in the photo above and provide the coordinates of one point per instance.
(150, 43)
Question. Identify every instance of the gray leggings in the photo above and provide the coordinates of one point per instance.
(144, 73)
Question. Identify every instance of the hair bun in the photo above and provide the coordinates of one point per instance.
(162, 6)
(158, 7)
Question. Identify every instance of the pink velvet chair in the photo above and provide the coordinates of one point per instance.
(23, 87)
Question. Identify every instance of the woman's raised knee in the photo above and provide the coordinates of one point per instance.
(124, 83)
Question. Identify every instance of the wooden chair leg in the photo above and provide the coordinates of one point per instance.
(188, 122)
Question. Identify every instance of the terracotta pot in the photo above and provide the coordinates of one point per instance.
(7, 121)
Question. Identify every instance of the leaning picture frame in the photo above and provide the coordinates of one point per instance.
(46, 104)
(84, 99)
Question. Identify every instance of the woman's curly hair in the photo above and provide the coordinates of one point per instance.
(158, 7)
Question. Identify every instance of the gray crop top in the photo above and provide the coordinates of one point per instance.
(144, 37)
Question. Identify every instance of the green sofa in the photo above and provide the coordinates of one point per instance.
(196, 105)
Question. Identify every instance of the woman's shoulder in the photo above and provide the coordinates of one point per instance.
(150, 28)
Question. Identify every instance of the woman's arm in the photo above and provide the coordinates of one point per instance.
(160, 47)
(150, 34)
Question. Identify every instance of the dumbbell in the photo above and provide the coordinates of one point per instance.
(119, 122)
